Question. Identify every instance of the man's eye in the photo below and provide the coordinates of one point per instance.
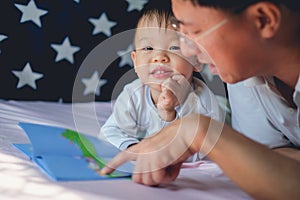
(195, 34)
(174, 48)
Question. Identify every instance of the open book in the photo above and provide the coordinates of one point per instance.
(66, 155)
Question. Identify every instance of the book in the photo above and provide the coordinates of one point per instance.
(67, 155)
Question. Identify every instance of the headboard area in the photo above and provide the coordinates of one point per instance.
(70, 50)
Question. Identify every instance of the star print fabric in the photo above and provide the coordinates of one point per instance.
(44, 44)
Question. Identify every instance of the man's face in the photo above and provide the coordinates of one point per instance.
(223, 41)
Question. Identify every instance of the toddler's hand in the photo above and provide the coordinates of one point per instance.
(166, 105)
(167, 100)
(179, 86)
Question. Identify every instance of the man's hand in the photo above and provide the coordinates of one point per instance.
(159, 157)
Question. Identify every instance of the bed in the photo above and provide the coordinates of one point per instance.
(21, 179)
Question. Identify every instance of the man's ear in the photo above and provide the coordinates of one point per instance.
(267, 18)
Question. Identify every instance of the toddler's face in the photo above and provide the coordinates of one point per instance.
(158, 56)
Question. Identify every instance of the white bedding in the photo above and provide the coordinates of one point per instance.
(21, 179)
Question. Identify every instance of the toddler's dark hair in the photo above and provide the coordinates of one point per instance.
(161, 13)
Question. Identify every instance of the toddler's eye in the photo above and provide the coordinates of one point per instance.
(174, 48)
(148, 48)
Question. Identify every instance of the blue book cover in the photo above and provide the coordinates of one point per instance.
(66, 155)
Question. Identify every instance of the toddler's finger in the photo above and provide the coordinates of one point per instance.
(178, 77)
(181, 80)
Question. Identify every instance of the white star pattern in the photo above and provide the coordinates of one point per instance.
(93, 84)
(27, 77)
(125, 56)
(2, 37)
(65, 51)
(31, 13)
(58, 38)
(136, 5)
(102, 25)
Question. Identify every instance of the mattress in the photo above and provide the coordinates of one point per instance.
(21, 179)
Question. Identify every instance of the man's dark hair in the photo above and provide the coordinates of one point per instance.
(237, 6)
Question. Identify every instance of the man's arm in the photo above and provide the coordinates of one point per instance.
(289, 152)
(259, 171)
